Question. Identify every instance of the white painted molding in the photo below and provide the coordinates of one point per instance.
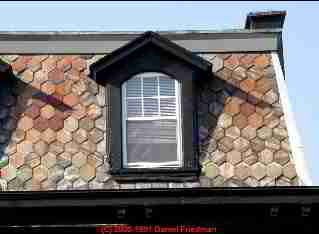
(294, 137)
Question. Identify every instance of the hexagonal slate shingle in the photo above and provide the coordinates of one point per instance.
(79, 159)
(71, 124)
(79, 111)
(234, 157)
(247, 109)
(24, 173)
(274, 170)
(289, 170)
(224, 120)
(225, 144)
(48, 160)
(72, 147)
(8, 172)
(264, 133)
(33, 135)
(86, 123)
(94, 111)
(96, 135)
(41, 148)
(40, 173)
(48, 135)
(71, 100)
(64, 136)
(41, 124)
(25, 147)
(72, 173)
(281, 157)
(242, 171)
(64, 159)
(255, 120)
(32, 160)
(87, 172)
(48, 88)
(227, 170)
(56, 173)
(25, 123)
(266, 156)
(232, 107)
(249, 133)
(240, 121)
(258, 170)
(241, 144)
(18, 135)
(233, 132)
(55, 123)
(211, 170)
(80, 135)
(47, 111)
(32, 111)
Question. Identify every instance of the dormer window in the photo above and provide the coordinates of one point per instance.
(151, 122)
(151, 87)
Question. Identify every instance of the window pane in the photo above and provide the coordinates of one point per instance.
(151, 141)
(134, 107)
(167, 86)
(133, 87)
(150, 87)
(168, 106)
(150, 107)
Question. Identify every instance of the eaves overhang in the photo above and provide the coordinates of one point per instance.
(64, 42)
(230, 210)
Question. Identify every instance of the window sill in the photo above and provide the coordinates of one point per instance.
(142, 174)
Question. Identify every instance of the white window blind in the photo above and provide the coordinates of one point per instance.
(151, 121)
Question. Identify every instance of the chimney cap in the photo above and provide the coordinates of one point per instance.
(265, 19)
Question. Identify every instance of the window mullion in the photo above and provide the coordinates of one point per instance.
(158, 96)
(142, 95)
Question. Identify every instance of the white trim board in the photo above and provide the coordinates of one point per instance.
(294, 137)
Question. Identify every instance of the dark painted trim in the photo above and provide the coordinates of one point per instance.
(145, 197)
(229, 210)
(152, 53)
(145, 40)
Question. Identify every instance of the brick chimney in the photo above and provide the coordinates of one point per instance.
(265, 20)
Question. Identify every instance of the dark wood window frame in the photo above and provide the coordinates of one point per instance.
(152, 53)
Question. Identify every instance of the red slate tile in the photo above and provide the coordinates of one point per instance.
(21, 63)
(56, 123)
(247, 109)
(56, 75)
(65, 64)
(71, 99)
(79, 64)
(232, 62)
(248, 60)
(38, 102)
(40, 124)
(63, 113)
(33, 111)
(262, 61)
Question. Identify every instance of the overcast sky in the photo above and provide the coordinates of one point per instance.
(300, 38)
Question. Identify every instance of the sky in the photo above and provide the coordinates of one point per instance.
(300, 38)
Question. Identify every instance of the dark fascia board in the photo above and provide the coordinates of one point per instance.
(156, 197)
(240, 40)
(154, 39)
